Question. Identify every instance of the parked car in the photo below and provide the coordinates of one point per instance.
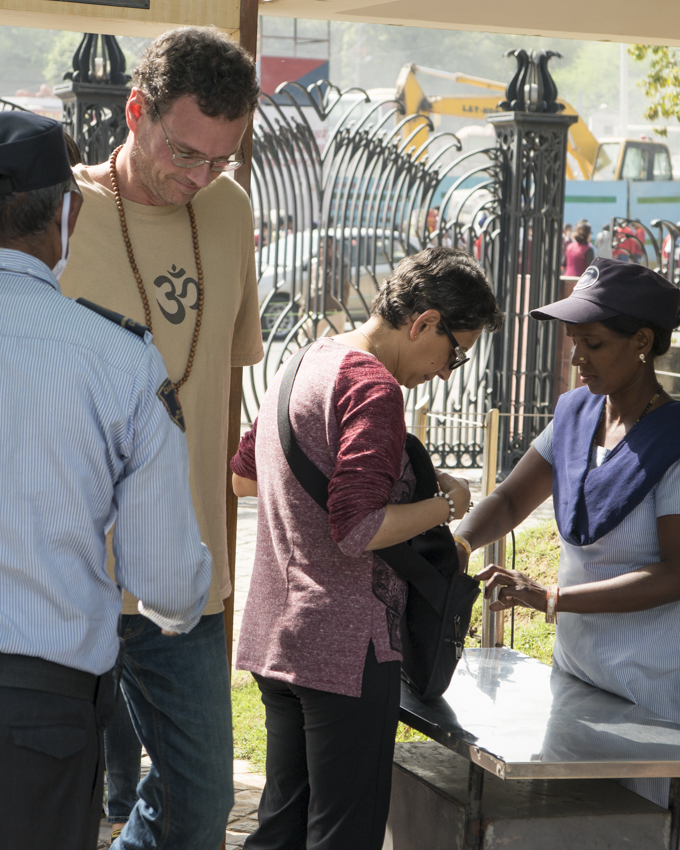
(288, 273)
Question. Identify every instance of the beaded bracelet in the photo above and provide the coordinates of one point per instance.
(551, 615)
(452, 507)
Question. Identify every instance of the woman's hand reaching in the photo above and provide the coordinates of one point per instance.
(514, 588)
(458, 489)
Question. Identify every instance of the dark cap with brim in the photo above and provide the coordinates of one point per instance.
(33, 152)
(611, 288)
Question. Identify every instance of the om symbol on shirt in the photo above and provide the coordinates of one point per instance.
(174, 299)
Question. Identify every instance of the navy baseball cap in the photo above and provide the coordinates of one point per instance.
(609, 288)
(32, 152)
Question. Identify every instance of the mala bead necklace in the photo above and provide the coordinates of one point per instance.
(138, 277)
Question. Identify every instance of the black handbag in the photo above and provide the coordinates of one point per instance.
(440, 599)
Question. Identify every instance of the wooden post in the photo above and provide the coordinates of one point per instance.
(420, 423)
(492, 621)
(248, 39)
(233, 438)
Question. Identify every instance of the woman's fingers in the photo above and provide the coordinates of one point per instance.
(458, 489)
(514, 588)
(487, 572)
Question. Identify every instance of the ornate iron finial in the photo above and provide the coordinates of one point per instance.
(106, 67)
(532, 89)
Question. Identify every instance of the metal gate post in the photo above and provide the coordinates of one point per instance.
(493, 622)
(532, 138)
(94, 97)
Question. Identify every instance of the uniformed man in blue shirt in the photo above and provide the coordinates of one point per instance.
(91, 431)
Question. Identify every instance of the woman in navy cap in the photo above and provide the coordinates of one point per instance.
(611, 459)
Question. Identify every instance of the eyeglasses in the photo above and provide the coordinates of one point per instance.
(460, 357)
(188, 160)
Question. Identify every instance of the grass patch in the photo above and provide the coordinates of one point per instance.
(538, 552)
(405, 735)
(537, 555)
(250, 735)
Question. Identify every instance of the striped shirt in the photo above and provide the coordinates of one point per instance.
(86, 440)
(634, 655)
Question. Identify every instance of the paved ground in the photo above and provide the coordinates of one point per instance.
(248, 785)
(243, 819)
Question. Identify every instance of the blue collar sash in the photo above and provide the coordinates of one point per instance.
(589, 503)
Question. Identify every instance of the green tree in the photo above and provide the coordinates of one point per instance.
(371, 55)
(661, 84)
(588, 76)
(23, 53)
(63, 46)
(58, 59)
(31, 57)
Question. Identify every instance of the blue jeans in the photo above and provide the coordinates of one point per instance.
(123, 755)
(177, 690)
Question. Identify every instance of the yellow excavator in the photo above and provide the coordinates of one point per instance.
(619, 159)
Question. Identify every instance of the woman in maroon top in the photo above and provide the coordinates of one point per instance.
(579, 252)
(320, 630)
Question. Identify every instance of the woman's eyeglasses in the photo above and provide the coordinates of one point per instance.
(460, 357)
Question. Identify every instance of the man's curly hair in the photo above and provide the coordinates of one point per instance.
(201, 62)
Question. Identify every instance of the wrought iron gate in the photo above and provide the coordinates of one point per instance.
(341, 192)
(332, 220)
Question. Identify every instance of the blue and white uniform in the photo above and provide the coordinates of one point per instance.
(634, 655)
(86, 440)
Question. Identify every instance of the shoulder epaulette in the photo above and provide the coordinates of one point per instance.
(116, 318)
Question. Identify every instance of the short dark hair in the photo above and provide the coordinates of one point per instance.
(74, 155)
(443, 279)
(26, 214)
(628, 326)
(582, 231)
(201, 62)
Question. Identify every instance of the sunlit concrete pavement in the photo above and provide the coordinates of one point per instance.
(243, 818)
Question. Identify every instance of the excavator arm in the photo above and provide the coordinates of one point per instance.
(582, 145)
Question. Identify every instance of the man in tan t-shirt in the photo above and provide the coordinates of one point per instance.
(167, 240)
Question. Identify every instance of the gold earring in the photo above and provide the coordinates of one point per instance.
(642, 357)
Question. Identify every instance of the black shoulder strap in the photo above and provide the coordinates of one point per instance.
(418, 571)
(404, 560)
(308, 474)
(116, 318)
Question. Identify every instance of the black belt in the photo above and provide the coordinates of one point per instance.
(36, 674)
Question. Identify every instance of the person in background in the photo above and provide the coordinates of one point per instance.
(328, 299)
(579, 252)
(92, 433)
(603, 243)
(320, 630)
(170, 236)
(566, 239)
(670, 245)
(629, 244)
(611, 460)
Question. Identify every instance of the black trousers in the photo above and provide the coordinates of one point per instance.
(329, 763)
(52, 768)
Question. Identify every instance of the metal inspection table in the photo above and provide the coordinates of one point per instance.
(518, 718)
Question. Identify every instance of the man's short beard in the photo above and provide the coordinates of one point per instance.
(143, 175)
